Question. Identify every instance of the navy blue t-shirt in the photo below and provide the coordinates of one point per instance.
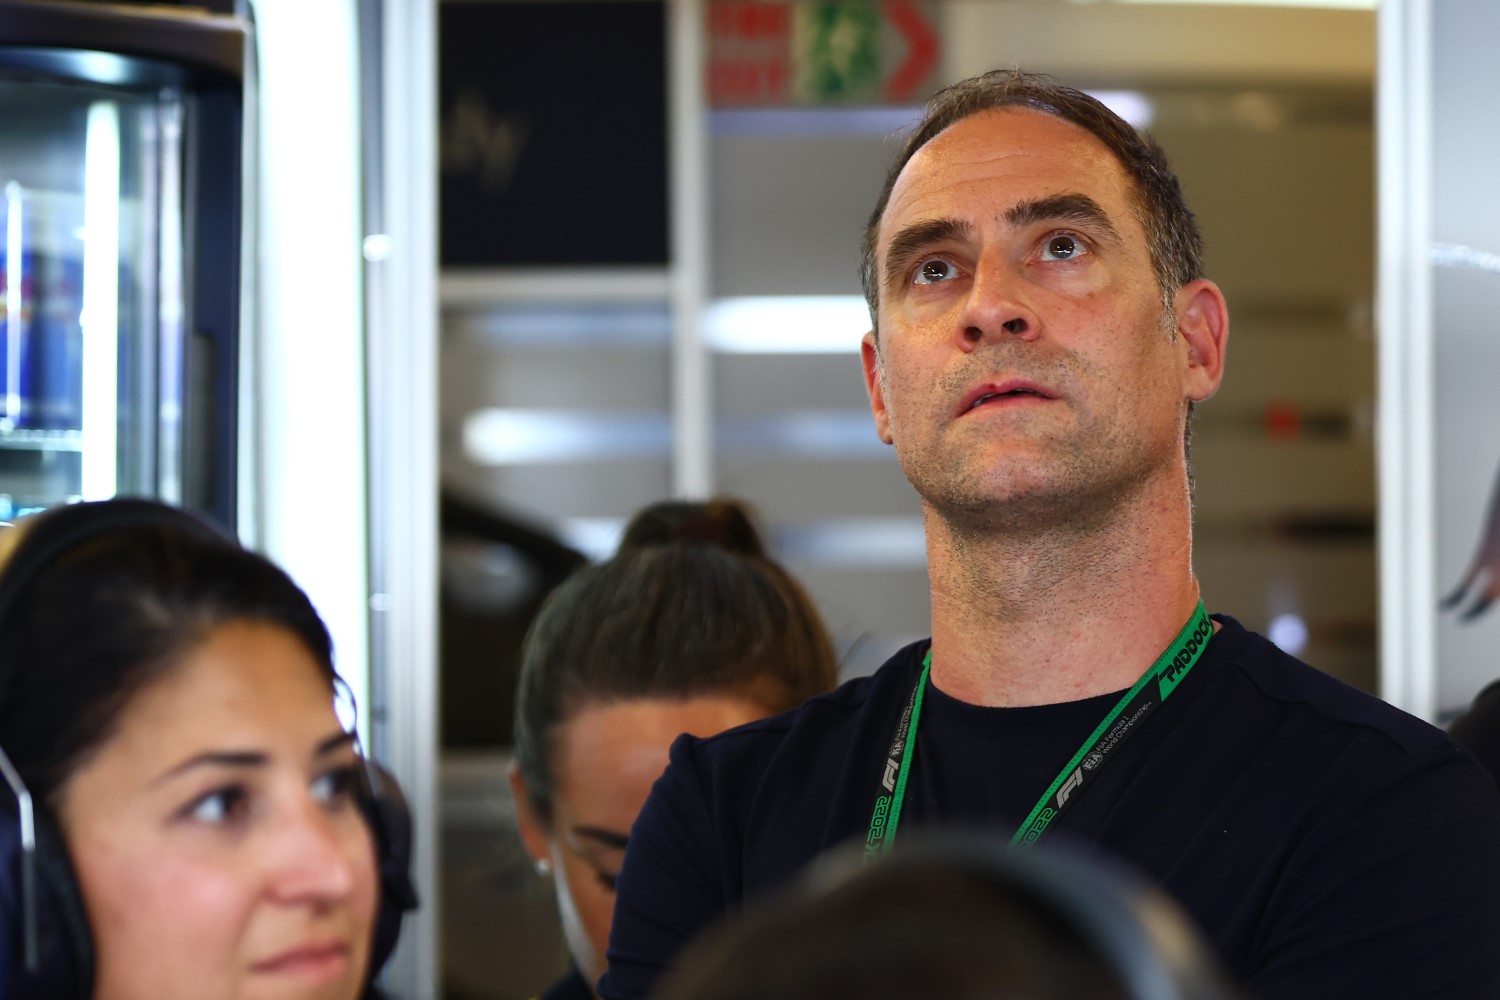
(1329, 845)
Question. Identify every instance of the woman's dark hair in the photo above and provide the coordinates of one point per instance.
(671, 621)
(721, 521)
(98, 600)
(726, 523)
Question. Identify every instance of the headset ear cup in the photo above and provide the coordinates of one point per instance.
(65, 945)
(385, 809)
(71, 944)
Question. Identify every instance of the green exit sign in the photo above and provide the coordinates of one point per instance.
(839, 52)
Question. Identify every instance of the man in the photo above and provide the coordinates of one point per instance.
(1042, 330)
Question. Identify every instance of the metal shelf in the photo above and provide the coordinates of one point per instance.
(41, 440)
(468, 288)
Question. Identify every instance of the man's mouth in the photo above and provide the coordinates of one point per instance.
(1018, 390)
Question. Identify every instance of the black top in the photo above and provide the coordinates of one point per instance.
(571, 986)
(1329, 845)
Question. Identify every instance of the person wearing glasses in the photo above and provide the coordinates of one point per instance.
(690, 628)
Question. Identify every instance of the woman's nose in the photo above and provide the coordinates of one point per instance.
(318, 853)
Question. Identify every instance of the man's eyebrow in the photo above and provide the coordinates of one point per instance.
(609, 838)
(918, 237)
(1077, 208)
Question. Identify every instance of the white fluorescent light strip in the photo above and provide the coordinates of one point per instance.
(1456, 255)
(596, 537)
(1131, 105)
(802, 434)
(507, 436)
(786, 324)
(101, 300)
(840, 543)
(855, 542)
(14, 275)
(577, 326)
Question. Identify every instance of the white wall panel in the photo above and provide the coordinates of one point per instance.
(1466, 440)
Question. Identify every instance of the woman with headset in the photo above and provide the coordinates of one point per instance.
(186, 818)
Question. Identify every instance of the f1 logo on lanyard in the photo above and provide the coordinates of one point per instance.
(1169, 670)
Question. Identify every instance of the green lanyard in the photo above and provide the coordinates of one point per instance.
(1168, 671)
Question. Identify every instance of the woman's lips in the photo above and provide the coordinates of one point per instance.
(318, 961)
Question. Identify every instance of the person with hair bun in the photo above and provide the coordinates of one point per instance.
(688, 629)
(720, 521)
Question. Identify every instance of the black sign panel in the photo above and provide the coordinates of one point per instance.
(553, 140)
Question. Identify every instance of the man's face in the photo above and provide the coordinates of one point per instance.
(1024, 367)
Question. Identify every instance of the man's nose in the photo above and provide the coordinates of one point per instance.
(997, 308)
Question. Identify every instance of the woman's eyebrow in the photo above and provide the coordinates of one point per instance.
(917, 238)
(247, 758)
(1076, 208)
(337, 741)
(215, 758)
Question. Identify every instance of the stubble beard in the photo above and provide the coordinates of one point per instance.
(1072, 482)
(1070, 491)
(1083, 483)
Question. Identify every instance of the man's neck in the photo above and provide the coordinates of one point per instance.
(1036, 618)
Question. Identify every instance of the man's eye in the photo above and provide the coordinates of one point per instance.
(1062, 248)
(934, 270)
(223, 805)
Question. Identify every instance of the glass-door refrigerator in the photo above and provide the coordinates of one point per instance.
(120, 244)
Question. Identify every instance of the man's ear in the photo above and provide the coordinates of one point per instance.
(1203, 327)
(535, 834)
(870, 357)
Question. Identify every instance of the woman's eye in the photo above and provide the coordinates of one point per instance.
(222, 805)
(336, 786)
(608, 881)
(1062, 247)
(934, 270)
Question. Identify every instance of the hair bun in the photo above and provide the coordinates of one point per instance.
(721, 522)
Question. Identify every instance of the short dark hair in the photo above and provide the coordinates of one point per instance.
(958, 915)
(105, 616)
(939, 933)
(670, 621)
(1171, 231)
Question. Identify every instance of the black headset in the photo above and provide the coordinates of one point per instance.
(47, 949)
